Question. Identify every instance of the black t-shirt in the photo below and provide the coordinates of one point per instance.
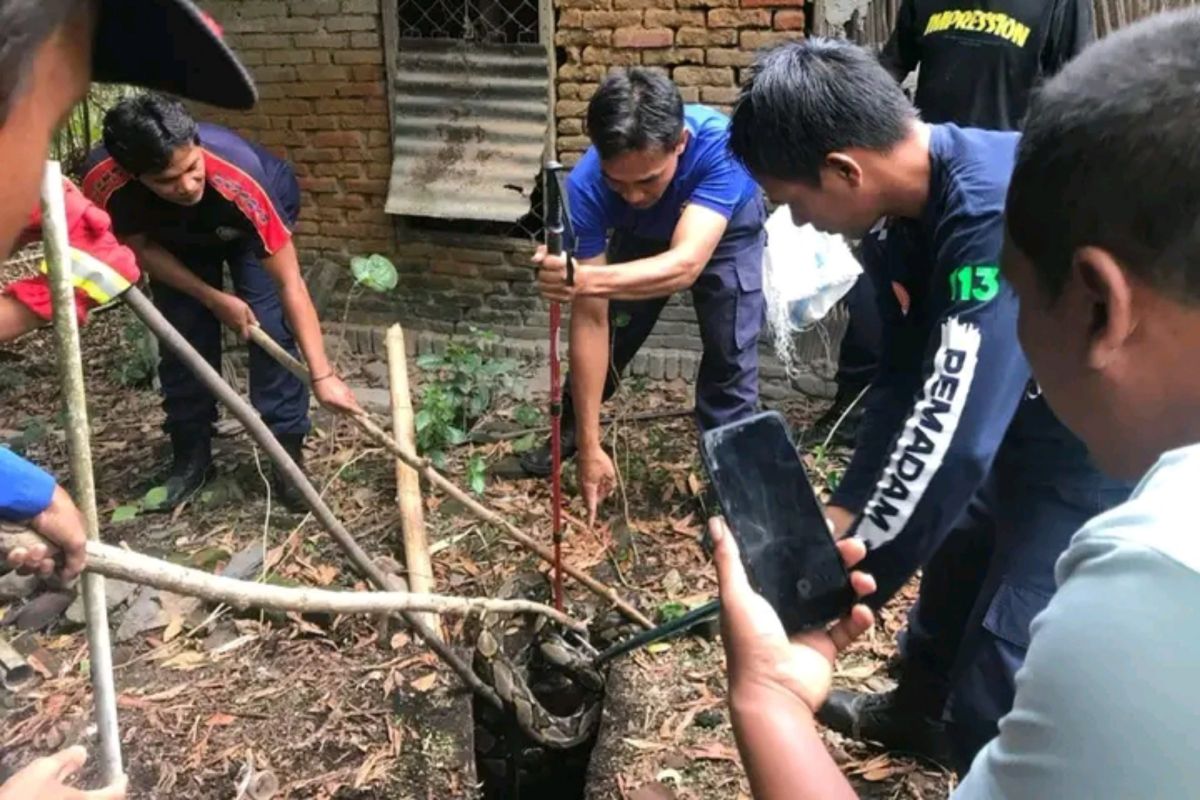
(979, 59)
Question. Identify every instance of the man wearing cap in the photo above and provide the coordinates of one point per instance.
(191, 198)
(49, 51)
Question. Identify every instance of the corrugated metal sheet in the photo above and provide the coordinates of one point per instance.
(470, 128)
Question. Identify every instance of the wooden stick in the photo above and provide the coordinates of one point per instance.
(126, 565)
(483, 437)
(70, 363)
(144, 310)
(408, 483)
(425, 468)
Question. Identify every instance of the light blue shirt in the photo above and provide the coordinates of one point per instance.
(1108, 701)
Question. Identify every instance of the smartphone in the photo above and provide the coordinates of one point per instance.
(764, 493)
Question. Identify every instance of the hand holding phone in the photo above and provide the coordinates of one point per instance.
(777, 521)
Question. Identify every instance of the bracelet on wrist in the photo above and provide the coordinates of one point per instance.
(329, 374)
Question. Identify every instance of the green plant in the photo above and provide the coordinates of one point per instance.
(461, 385)
(33, 431)
(527, 416)
(139, 357)
(826, 470)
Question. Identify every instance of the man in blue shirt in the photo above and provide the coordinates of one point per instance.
(48, 54)
(190, 198)
(956, 440)
(683, 214)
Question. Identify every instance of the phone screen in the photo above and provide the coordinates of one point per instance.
(764, 493)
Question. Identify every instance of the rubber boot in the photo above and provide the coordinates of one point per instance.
(285, 493)
(537, 462)
(900, 724)
(191, 448)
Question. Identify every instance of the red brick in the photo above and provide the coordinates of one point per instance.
(360, 6)
(707, 3)
(702, 76)
(323, 72)
(365, 40)
(306, 226)
(718, 94)
(367, 186)
(623, 4)
(601, 37)
(318, 185)
(574, 142)
(570, 127)
(375, 89)
(253, 58)
(570, 108)
(289, 56)
(674, 19)
(582, 72)
(343, 106)
(381, 168)
(690, 94)
(686, 55)
(320, 41)
(611, 19)
(314, 122)
(731, 57)
(275, 74)
(610, 57)
(284, 106)
(368, 72)
(366, 122)
(338, 139)
(262, 41)
(379, 138)
(313, 8)
(352, 201)
(732, 18)
(754, 40)
(771, 3)
(570, 18)
(591, 5)
(294, 25)
(643, 37)
(350, 23)
(702, 37)
(789, 20)
(358, 57)
(315, 89)
(338, 170)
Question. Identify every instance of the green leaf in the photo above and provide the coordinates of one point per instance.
(477, 474)
(155, 498)
(430, 361)
(125, 513)
(455, 435)
(621, 320)
(671, 611)
(526, 415)
(525, 443)
(375, 272)
(423, 418)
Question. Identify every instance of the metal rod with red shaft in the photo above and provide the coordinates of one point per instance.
(557, 221)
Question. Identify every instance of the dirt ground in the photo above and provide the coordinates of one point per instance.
(350, 707)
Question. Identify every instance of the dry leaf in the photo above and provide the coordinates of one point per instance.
(187, 660)
(713, 751)
(220, 719)
(425, 683)
(642, 744)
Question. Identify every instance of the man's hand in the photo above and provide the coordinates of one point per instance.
(763, 664)
(61, 524)
(333, 393)
(840, 520)
(552, 277)
(44, 780)
(597, 477)
(233, 312)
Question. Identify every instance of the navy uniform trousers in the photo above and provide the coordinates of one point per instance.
(729, 304)
(992, 574)
(278, 396)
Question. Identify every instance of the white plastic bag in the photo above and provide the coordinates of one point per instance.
(805, 274)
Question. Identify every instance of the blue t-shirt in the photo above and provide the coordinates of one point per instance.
(708, 175)
(25, 490)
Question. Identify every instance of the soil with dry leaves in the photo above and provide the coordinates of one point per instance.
(216, 704)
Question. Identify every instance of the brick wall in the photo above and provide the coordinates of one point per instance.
(320, 70)
(704, 45)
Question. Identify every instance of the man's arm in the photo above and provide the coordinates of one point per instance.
(696, 236)
(31, 496)
(284, 268)
(589, 364)
(902, 52)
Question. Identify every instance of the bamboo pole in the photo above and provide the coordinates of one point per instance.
(408, 483)
(126, 565)
(141, 306)
(426, 470)
(70, 362)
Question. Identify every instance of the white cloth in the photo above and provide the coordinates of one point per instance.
(1108, 701)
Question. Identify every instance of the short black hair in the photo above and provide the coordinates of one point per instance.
(633, 110)
(807, 99)
(142, 132)
(1109, 158)
(24, 26)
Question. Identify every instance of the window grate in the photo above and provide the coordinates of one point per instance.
(482, 21)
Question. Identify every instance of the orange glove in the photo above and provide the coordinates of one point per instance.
(101, 266)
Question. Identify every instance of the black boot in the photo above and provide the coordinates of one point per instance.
(887, 718)
(191, 448)
(537, 462)
(285, 493)
(841, 418)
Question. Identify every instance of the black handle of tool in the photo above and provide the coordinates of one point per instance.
(667, 629)
(554, 208)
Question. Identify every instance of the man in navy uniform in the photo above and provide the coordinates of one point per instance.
(683, 214)
(190, 198)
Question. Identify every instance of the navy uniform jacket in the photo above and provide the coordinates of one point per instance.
(953, 383)
(241, 208)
